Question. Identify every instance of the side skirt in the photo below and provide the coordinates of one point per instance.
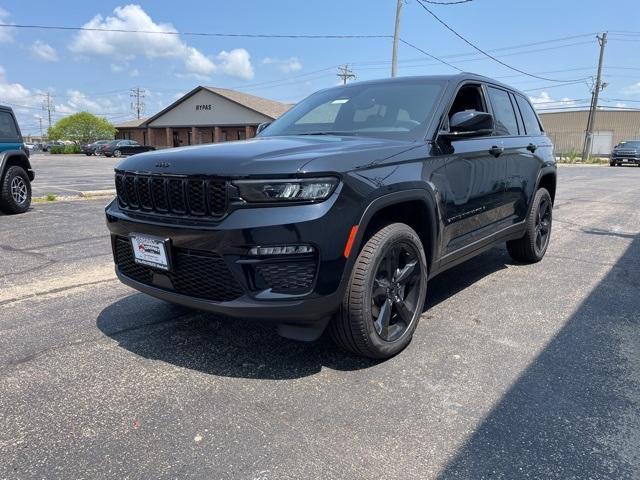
(461, 255)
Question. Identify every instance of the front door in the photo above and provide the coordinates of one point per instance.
(473, 193)
(176, 138)
(474, 197)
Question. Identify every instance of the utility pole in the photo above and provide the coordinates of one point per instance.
(345, 74)
(396, 34)
(40, 121)
(49, 106)
(598, 87)
(137, 105)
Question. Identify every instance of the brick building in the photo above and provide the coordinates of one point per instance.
(204, 115)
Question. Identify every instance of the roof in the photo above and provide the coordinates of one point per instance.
(135, 123)
(267, 107)
(264, 106)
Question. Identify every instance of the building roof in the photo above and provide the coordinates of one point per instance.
(264, 106)
(267, 107)
(135, 123)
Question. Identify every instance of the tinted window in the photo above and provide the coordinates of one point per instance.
(391, 110)
(531, 124)
(7, 126)
(505, 117)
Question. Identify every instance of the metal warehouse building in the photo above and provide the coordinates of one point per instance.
(204, 115)
(567, 129)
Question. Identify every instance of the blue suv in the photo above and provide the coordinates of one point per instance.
(16, 174)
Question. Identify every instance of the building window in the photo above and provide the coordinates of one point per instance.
(223, 136)
(189, 137)
(242, 134)
(144, 137)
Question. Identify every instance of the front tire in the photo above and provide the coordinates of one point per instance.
(533, 245)
(15, 191)
(385, 296)
(117, 153)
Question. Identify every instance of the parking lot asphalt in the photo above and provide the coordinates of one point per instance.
(515, 371)
(68, 175)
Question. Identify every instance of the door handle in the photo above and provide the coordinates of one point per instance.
(532, 147)
(496, 151)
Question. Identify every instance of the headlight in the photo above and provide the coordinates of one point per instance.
(302, 190)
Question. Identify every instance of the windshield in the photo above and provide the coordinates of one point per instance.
(631, 144)
(391, 110)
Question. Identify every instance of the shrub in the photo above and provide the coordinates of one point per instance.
(55, 149)
(72, 148)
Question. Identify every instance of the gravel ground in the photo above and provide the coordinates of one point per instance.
(514, 372)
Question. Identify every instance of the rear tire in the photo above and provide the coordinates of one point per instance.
(385, 296)
(15, 191)
(533, 245)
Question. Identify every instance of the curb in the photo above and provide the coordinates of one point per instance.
(98, 193)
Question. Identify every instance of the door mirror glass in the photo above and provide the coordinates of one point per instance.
(470, 123)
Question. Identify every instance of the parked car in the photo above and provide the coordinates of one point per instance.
(119, 148)
(627, 152)
(55, 143)
(93, 148)
(341, 210)
(16, 173)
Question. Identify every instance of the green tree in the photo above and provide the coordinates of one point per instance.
(82, 127)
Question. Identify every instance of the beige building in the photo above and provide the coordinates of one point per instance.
(567, 129)
(204, 115)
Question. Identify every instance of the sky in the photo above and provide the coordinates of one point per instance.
(94, 71)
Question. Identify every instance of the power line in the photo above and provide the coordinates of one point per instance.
(429, 55)
(457, 2)
(199, 34)
(482, 51)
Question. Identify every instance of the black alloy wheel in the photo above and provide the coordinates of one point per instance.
(385, 295)
(396, 291)
(543, 225)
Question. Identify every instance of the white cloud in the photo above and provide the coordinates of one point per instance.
(129, 45)
(44, 51)
(5, 32)
(116, 68)
(544, 100)
(633, 89)
(286, 65)
(236, 63)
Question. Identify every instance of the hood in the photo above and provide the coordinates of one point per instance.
(267, 156)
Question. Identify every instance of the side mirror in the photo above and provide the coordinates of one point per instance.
(262, 126)
(469, 123)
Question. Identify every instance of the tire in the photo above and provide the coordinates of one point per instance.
(612, 164)
(117, 153)
(359, 326)
(533, 245)
(15, 191)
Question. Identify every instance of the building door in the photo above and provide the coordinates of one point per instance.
(176, 138)
(602, 143)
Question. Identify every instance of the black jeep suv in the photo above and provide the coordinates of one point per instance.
(340, 211)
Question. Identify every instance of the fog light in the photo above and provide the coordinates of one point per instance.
(281, 250)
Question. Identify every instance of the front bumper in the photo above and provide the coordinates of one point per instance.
(625, 159)
(324, 225)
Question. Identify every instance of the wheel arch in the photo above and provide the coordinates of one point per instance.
(415, 207)
(15, 158)
(548, 180)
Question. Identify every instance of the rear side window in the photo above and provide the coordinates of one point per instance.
(505, 117)
(531, 124)
(8, 129)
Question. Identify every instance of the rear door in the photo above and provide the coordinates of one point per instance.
(530, 149)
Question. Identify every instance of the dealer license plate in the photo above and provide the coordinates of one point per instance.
(150, 251)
